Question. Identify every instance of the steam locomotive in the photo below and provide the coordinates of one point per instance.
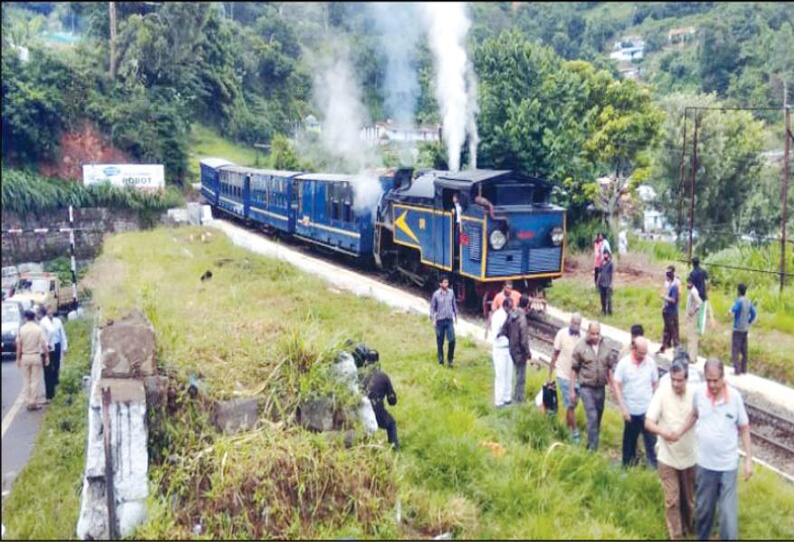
(504, 226)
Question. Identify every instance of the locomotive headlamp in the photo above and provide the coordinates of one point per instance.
(498, 240)
(557, 235)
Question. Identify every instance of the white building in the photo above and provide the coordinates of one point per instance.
(628, 48)
(383, 133)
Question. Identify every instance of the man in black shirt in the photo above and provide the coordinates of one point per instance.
(699, 276)
(378, 386)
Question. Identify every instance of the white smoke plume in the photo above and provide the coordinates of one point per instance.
(337, 96)
(398, 35)
(447, 28)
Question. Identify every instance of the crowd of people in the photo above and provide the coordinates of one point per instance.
(697, 311)
(690, 430)
(40, 347)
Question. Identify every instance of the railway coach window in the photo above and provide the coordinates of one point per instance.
(347, 214)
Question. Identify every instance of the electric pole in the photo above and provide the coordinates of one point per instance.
(112, 8)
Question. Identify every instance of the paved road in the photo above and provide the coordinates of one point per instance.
(20, 427)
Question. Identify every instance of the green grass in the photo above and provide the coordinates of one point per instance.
(261, 328)
(44, 502)
(205, 143)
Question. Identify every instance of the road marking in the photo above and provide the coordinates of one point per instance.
(11, 414)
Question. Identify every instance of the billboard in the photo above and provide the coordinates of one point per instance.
(143, 176)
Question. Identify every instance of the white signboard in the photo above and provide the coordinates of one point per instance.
(145, 176)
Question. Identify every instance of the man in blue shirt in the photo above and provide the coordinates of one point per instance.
(443, 312)
(670, 310)
(743, 315)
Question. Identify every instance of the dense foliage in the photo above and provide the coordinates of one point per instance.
(551, 101)
(25, 192)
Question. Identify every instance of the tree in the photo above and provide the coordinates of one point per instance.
(729, 166)
(282, 155)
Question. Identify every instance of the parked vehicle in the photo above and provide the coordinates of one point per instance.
(12, 320)
(41, 289)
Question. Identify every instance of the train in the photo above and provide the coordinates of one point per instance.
(503, 225)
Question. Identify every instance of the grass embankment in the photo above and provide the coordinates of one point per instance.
(638, 284)
(204, 143)
(260, 328)
(44, 502)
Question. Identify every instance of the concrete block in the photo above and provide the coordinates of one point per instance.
(122, 390)
(93, 520)
(235, 415)
(128, 347)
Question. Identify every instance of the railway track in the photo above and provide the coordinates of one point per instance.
(772, 434)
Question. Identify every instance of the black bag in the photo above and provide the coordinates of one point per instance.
(550, 397)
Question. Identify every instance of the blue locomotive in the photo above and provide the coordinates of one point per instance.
(480, 227)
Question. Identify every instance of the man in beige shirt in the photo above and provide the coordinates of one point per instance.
(564, 343)
(669, 409)
(31, 349)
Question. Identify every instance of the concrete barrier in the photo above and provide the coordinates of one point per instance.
(121, 365)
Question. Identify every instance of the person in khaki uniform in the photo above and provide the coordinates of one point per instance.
(31, 347)
(669, 409)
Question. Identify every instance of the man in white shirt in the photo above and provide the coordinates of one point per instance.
(669, 409)
(636, 378)
(718, 409)
(693, 303)
(564, 343)
(49, 334)
(502, 362)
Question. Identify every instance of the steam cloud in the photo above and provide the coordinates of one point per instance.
(338, 97)
(455, 82)
(399, 35)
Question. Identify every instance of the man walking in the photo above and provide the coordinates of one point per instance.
(721, 418)
(592, 365)
(693, 304)
(31, 345)
(503, 365)
(670, 311)
(668, 411)
(699, 278)
(636, 331)
(743, 315)
(636, 378)
(49, 370)
(564, 343)
(378, 386)
(444, 314)
(605, 284)
(518, 339)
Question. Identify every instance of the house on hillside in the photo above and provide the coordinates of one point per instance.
(310, 124)
(682, 35)
(383, 133)
(628, 48)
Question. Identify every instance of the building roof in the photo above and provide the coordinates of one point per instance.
(330, 177)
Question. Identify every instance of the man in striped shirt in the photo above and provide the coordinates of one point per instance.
(444, 314)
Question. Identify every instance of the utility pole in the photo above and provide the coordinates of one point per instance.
(682, 176)
(784, 195)
(112, 8)
(694, 173)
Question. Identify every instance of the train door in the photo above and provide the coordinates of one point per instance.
(441, 243)
(246, 194)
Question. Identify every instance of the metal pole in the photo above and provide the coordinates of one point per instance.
(786, 173)
(109, 489)
(74, 263)
(682, 176)
(112, 9)
(694, 173)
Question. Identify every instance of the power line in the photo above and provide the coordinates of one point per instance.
(739, 268)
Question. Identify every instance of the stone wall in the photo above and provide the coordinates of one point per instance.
(91, 224)
(123, 361)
